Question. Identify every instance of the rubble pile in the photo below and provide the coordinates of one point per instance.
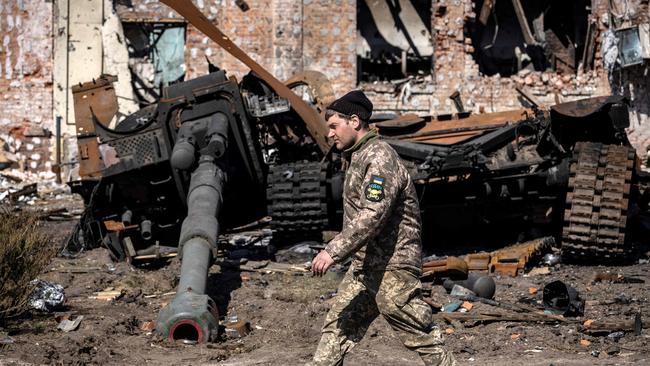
(20, 188)
(543, 83)
(25, 251)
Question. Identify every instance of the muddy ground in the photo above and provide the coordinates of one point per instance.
(286, 311)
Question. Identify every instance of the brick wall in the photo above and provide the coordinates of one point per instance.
(287, 36)
(284, 36)
(456, 69)
(26, 80)
(330, 29)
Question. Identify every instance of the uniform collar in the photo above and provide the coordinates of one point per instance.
(371, 135)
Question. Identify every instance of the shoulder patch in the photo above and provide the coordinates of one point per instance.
(375, 189)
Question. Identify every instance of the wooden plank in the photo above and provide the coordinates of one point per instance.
(588, 53)
(565, 57)
(523, 23)
(128, 245)
(486, 10)
(530, 98)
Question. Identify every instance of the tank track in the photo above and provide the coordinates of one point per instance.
(597, 203)
(297, 200)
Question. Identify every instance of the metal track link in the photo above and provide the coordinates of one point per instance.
(297, 199)
(597, 202)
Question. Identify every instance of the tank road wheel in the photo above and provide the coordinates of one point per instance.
(597, 203)
(297, 200)
(314, 88)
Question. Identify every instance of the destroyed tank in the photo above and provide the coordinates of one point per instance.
(215, 154)
(568, 170)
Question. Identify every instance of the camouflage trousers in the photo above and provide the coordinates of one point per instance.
(394, 294)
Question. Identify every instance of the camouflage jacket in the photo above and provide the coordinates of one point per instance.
(381, 222)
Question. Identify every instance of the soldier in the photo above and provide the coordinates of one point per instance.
(381, 229)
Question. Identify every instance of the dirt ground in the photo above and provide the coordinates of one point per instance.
(286, 311)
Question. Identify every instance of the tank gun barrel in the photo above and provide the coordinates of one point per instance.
(192, 315)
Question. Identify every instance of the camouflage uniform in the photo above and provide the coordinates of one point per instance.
(381, 227)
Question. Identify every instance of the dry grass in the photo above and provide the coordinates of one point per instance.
(24, 253)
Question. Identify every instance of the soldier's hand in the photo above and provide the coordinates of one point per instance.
(321, 263)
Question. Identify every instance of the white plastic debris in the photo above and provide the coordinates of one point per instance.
(609, 49)
(68, 325)
(47, 296)
(304, 248)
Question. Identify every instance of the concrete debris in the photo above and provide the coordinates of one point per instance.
(537, 271)
(459, 291)
(235, 328)
(609, 49)
(148, 326)
(67, 325)
(304, 248)
(616, 335)
(7, 158)
(31, 188)
(467, 305)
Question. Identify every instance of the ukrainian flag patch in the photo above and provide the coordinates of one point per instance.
(375, 189)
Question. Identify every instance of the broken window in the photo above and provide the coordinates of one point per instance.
(509, 36)
(156, 56)
(393, 39)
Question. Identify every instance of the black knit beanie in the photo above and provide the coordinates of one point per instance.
(354, 102)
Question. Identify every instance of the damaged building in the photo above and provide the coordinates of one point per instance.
(429, 57)
(196, 175)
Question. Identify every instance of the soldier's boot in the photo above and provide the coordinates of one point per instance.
(331, 350)
(351, 313)
(438, 357)
(400, 302)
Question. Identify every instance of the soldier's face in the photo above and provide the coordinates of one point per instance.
(343, 132)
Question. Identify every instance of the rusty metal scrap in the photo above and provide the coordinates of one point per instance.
(313, 121)
(409, 120)
(94, 101)
(510, 261)
(584, 107)
(451, 131)
(112, 225)
(458, 101)
(452, 267)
